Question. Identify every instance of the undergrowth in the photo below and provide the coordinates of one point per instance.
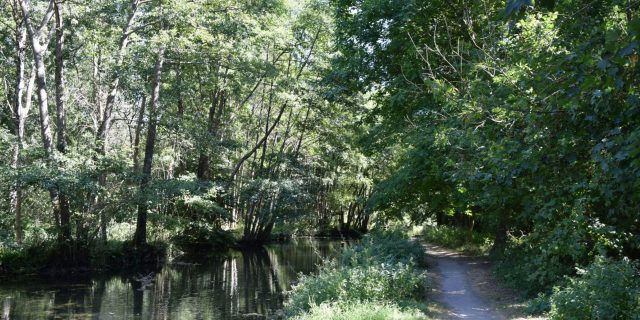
(382, 270)
(359, 311)
(607, 289)
(459, 239)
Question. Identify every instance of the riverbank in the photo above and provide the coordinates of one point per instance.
(55, 259)
(234, 286)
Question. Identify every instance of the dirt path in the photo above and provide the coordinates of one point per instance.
(457, 294)
(466, 288)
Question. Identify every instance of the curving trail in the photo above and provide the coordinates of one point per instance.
(455, 287)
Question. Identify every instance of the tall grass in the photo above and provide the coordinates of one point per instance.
(359, 311)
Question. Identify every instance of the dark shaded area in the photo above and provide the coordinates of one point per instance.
(251, 281)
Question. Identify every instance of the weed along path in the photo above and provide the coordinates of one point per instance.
(456, 288)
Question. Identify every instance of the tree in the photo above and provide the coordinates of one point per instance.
(39, 43)
(140, 236)
(21, 107)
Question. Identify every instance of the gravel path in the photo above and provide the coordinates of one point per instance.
(456, 291)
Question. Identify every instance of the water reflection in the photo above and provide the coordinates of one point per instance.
(247, 282)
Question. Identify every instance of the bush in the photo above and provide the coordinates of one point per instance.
(203, 240)
(381, 269)
(45, 257)
(397, 283)
(458, 238)
(15, 260)
(56, 258)
(536, 262)
(335, 232)
(607, 289)
(123, 255)
(384, 247)
(357, 311)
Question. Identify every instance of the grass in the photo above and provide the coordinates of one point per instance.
(359, 311)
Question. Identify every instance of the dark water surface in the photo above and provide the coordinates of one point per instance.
(244, 284)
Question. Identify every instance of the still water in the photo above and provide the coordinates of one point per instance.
(240, 286)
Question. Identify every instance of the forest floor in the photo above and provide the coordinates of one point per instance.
(464, 287)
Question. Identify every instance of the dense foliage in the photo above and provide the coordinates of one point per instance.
(605, 290)
(519, 119)
(139, 121)
(131, 122)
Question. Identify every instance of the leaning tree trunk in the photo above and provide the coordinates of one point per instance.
(105, 123)
(140, 236)
(104, 114)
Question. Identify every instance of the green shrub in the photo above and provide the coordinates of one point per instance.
(399, 283)
(540, 260)
(469, 242)
(123, 255)
(539, 304)
(45, 257)
(384, 247)
(359, 311)
(57, 258)
(380, 269)
(14, 260)
(607, 289)
(203, 239)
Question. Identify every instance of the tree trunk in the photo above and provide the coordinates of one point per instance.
(203, 160)
(104, 125)
(500, 239)
(39, 49)
(257, 145)
(61, 143)
(104, 114)
(140, 236)
(20, 113)
(136, 141)
(302, 132)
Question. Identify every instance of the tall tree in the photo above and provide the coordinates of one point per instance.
(38, 47)
(21, 107)
(61, 121)
(37, 38)
(105, 111)
(140, 236)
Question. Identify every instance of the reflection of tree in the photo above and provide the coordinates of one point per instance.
(301, 256)
(70, 300)
(160, 294)
(96, 298)
(262, 290)
(251, 281)
(138, 298)
(8, 304)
